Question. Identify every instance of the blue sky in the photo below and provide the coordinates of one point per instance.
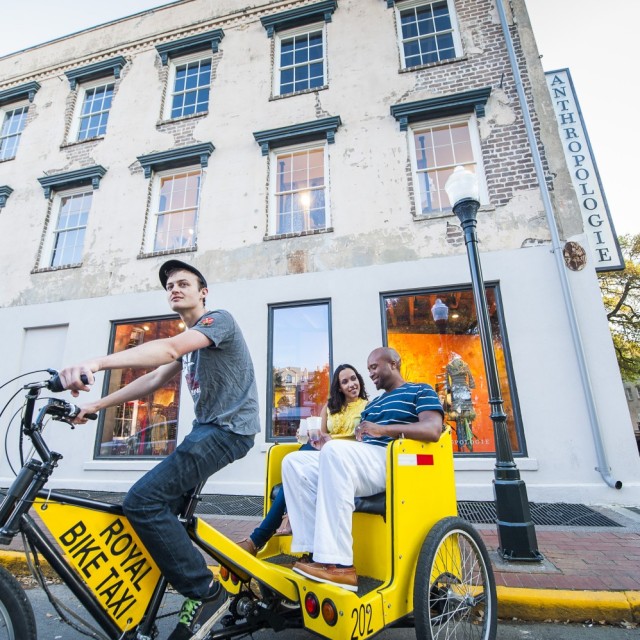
(595, 40)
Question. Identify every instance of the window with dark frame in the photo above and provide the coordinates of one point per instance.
(13, 124)
(299, 365)
(301, 61)
(94, 114)
(436, 334)
(191, 87)
(146, 427)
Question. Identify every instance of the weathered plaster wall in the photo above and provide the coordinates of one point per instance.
(373, 215)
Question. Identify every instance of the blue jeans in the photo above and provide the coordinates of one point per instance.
(265, 530)
(152, 502)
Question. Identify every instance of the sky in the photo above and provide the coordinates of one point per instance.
(595, 40)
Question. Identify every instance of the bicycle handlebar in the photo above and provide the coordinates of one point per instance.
(55, 385)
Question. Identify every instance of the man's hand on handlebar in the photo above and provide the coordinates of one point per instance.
(78, 377)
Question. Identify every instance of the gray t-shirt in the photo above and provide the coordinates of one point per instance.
(221, 378)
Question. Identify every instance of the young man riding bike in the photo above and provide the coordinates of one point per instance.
(218, 371)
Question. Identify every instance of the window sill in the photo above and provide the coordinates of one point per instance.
(7, 159)
(446, 214)
(112, 464)
(284, 236)
(76, 265)
(75, 143)
(488, 464)
(282, 96)
(166, 252)
(191, 116)
(431, 65)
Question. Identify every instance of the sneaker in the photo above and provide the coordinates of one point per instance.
(197, 617)
(345, 577)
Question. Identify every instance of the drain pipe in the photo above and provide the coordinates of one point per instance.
(603, 465)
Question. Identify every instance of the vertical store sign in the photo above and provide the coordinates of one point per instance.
(598, 225)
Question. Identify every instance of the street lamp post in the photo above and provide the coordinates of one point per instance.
(516, 533)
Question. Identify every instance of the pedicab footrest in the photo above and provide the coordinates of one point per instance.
(376, 504)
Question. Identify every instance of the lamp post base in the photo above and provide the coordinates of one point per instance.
(516, 533)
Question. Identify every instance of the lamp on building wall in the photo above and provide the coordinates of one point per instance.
(516, 533)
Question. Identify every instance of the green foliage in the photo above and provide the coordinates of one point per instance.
(621, 296)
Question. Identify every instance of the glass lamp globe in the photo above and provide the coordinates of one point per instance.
(462, 185)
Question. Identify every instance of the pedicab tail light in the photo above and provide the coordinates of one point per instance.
(234, 578)
(311, 605)
(329, 612)
(224, 573)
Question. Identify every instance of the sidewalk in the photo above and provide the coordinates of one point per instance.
(588, 573)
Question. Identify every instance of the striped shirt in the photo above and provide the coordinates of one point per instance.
(400, 406)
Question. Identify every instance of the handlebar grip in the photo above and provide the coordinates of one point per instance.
(56, 386)
(91, 416)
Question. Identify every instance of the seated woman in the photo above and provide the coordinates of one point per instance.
(340, 416)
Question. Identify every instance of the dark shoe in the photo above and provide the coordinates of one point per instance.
(248, 545)
(305, 558)
(345, 577)
(197, 617)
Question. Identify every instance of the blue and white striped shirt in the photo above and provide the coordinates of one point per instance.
(400, 406)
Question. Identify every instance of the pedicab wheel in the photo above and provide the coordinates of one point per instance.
(454, 595)
(16, 615)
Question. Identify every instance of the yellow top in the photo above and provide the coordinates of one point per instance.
(344, 422)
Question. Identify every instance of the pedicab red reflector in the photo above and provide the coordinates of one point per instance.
(415, 459)
(311, 605)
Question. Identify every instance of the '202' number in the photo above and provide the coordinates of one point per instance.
(362, 623)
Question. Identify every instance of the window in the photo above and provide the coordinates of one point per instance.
(175, 197)
(436, 335)
(301, 60)
(69, 229)
(95, 85)
(94, 113)
(300, 190)
(427, 32)
(63, 240)
(13, 123)
(190, 61)
(299, 361)
(638, 392)
(627, 392)
(190, 80)
(148, 426)
(436, 150)
(177, 202)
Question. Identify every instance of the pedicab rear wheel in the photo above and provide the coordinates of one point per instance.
(454, 594)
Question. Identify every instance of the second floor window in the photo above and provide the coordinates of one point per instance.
(94, 114)
(300, 191)
(437, 148)
(177, 203)
(301, 60)
(427, 32)
(13, 124)
(190, 83)
(69, 231)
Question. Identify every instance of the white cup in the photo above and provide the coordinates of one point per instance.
(302, 432)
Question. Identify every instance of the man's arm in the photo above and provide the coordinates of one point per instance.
(142, 386)
(151, 354)
(427, 429)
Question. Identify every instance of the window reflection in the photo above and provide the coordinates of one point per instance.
(437, 336)
(299, 365)
(148, 426)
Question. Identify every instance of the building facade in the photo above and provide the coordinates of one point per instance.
(296, 152)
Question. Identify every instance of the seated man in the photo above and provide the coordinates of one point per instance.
(321, 489)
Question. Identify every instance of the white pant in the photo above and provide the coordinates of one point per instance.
(320, 489)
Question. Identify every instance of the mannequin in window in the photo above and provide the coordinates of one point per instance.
(459, 385)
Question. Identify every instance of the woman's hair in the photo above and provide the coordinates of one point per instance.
(337, 401)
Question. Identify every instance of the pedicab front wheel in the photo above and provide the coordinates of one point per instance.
(454, 595)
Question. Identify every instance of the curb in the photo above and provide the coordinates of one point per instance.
(532, 605)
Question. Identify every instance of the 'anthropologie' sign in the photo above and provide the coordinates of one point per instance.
(603, 241)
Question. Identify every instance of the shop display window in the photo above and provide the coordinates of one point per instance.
(299, 361)
(146, 427)
(436, 335)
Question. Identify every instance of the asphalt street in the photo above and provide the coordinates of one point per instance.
(51, 628)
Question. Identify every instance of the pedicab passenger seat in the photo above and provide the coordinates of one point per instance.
(375, 504)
